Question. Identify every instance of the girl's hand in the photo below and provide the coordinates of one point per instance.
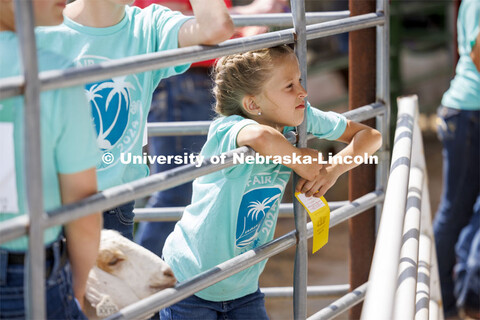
(318, 186)
(308, 171)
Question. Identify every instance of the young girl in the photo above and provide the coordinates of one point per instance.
(68, 159)
(259, 97)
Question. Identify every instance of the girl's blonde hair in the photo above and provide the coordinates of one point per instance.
(243, 74)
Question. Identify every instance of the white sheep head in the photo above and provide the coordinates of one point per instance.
(124, 273)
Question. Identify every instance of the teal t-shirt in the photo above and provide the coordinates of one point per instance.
(234, 210)
(464, 91)
(119, 105)
(67, 137)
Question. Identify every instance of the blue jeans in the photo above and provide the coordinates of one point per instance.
(120, 219)
(60, 299)
(467, 268)
(459, 131)
(185, 97)
(249, 307)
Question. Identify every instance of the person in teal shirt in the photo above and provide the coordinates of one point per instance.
(68, 158)
(258, 98)
(459, 131)
(97, 31)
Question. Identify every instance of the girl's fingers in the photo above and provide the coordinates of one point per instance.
(307, 187)
(300, 184)
(314, 189)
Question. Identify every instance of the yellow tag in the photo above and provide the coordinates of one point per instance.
(319, 213)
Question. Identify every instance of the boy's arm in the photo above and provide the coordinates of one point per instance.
(212, 24)
(267, 141)
(83, 234)
(361, 140)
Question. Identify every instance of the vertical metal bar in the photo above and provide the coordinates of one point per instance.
(35, 279)
(362, 72)
(301, 255)
(383, 96)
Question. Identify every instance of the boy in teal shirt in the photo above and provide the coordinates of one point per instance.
(68, 157)
(99, 30)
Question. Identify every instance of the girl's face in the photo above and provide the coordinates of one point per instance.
(48, 12)
(282, 100)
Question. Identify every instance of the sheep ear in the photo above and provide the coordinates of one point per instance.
(103, 304)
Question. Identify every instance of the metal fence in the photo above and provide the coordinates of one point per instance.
(31, 83)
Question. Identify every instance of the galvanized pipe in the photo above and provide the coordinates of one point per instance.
(170, 296)
(383, 273)
(341, 305)
(175, 213)
(383, 96)
(331, 291)
(65, 78)
(35, 271)
(285, 19)
(191, 128)
(301, 256)
(404, 307)
(120, 194)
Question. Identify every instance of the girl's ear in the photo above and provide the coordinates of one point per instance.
(249, 105)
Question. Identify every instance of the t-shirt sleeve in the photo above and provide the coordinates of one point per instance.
(76, 148)
(226, 135)
(166, 24)
(324, 125)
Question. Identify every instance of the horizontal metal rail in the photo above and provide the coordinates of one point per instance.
(379, 301)
(341, 305)
(241, 262)
(285, 19)
(75, 76)
(193, 128)
(330, 291)
(175, 213)
(112, 197)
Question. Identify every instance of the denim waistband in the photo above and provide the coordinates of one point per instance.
(55, 256)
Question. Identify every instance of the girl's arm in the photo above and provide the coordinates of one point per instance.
(267, 141)
(361, 140)
(83, 234)
(212, 24)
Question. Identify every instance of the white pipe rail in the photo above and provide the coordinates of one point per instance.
(416, 292)
(407, 270)
(380, 297)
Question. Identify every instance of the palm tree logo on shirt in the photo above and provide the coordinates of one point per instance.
(110, 102)
(253, 209)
